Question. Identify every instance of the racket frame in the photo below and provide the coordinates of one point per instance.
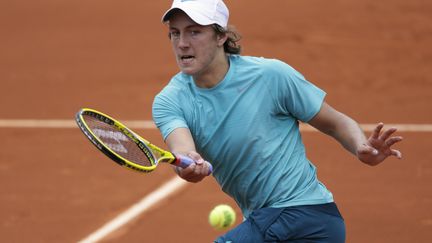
(145, 146)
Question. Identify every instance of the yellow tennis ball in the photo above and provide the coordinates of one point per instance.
(222, 217)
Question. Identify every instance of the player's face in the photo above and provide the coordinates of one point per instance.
(195, 46)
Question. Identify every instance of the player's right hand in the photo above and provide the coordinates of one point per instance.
(195, 172)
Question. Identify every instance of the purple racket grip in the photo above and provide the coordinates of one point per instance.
(184, 161)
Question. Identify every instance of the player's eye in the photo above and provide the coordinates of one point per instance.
(174, 34)
(194, 32)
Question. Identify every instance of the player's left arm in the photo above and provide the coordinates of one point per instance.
(371, 151)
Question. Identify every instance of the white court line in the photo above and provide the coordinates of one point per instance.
(148, 124)
(370, 127)
(145, 204)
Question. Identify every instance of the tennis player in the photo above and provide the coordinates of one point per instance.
(242, 114)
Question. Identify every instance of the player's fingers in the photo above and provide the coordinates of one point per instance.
(202, 169)
(188, 170)
(191, 174)
(393, 140)
(386, 134)
(377, 130)
(396, 153)
(196, 157)
(209, 168)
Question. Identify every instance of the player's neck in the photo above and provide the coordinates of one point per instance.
(214, 73)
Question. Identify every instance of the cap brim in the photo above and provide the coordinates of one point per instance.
(194, 15)
(167, 14)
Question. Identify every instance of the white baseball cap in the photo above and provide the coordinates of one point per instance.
(203, 12)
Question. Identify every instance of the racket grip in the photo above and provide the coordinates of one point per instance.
(184, 161)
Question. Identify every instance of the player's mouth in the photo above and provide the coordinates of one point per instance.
(186, 59)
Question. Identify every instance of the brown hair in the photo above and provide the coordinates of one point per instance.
(231, 45)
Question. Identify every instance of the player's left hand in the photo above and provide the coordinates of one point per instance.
(378, 146)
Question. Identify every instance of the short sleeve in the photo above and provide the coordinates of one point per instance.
(293, 94)
(167, 114)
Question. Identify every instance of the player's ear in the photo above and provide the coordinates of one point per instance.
(221, 34)
(221, 38)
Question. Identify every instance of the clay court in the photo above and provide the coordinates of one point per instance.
(373, 58)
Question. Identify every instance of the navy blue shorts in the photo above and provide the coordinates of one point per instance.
(321, 223)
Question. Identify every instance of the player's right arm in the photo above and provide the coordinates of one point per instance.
(180, 141)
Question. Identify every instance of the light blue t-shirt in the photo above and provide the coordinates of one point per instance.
(247, 127)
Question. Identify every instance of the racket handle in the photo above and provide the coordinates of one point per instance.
(184, 161)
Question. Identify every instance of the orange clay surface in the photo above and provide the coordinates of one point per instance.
(373, 58)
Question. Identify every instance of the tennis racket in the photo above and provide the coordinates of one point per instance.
(124, 146)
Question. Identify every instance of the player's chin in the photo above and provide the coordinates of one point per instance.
(187, 70)
(187, 67)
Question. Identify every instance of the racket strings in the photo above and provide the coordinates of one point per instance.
(117, 141)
